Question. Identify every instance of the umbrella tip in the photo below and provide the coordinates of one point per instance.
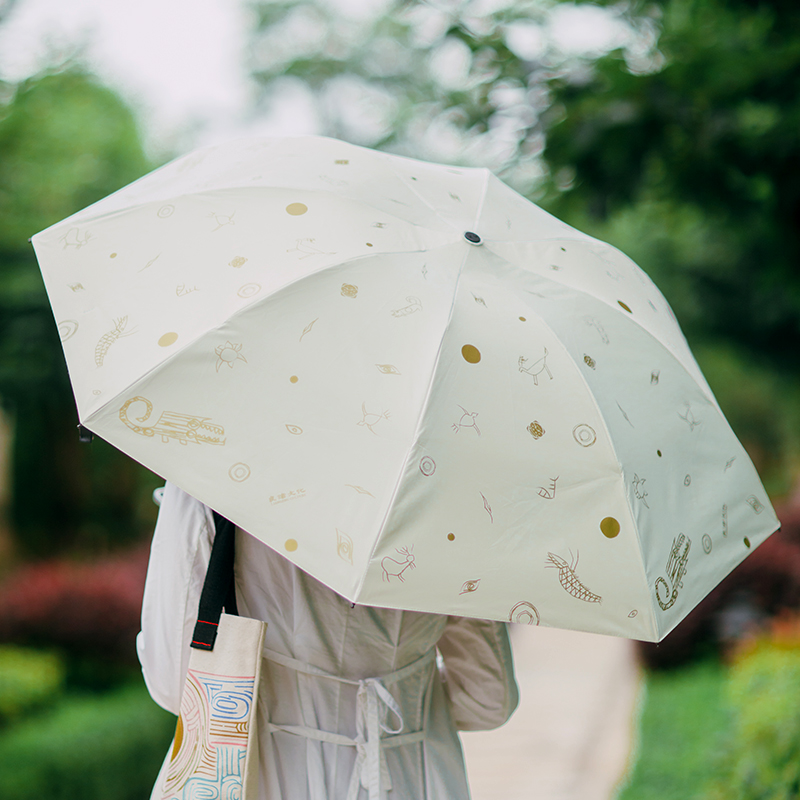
(473, 238)
(85, 436)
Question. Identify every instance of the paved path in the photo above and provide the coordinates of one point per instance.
(572, 735)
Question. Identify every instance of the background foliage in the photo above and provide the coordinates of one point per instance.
(65, 141)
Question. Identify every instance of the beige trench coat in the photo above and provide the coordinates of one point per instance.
(437, 674)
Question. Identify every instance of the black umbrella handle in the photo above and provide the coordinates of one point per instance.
(218, 587)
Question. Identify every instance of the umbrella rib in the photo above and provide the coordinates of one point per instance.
(415, 438)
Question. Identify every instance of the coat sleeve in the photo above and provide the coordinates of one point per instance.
(478, 672)
(179, 557)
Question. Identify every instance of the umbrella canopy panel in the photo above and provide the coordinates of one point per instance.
(561, 434)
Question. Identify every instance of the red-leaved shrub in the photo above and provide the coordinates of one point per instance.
(85, 608)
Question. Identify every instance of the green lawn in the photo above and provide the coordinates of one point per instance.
(682, 730)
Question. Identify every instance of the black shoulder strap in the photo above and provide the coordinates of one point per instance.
(218, 589)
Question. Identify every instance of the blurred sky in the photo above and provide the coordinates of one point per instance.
(181, 63)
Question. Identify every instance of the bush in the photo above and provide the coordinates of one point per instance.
(28, 679)
(680, 728)
(763, 758)
(87, 609)
(96, 748)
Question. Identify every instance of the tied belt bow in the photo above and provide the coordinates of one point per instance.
(373, 704)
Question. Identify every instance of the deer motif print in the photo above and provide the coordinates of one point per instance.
(395, 569)
(535, 369)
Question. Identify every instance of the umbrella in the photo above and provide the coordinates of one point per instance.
(415, 384)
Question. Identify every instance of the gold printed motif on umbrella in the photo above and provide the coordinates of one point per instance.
(67, 329)
(414, 304)
(597, 325)
(755, 504)
(117, 332)
(392, 568)
(249, 290)
(535, 369)
(370, 420)
(667, 587)
(229, 353)
(222, 220)
(470, 586)
(76, 287)
(182, 290)
(487, 507)
(388, 369)
(638, 489)
(348, 290)
(149, 263)
(308, 328)
(237, 261)
(344, 546)
(284, 497)
(239, 472)
(73, 238)
(689, 418)
(569, 580)
(589, 361)
(359, 489)
(427, 466)
(584, 435)
(725, 520)
(729, 464)
(654, 376)
(624, 414)
(183, 427)
(536, 430)
(524, 613)
(307, 248)
(467, 415)
(548, 493)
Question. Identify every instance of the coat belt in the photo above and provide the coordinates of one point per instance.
(374, 703)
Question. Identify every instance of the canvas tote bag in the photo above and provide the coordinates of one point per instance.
(214, 755)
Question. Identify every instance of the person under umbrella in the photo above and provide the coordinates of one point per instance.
(353, 702)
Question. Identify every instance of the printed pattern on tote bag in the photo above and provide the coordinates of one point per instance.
(210, 746)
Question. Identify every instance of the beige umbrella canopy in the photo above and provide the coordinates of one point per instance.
(415, 384)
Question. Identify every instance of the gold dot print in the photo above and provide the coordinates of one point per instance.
(113, 255)
(293, 379)
(609, 527)
(290, 545)
(451, 537)
(471, 353)
(369, 244)
(296, 209)
(746, 542)
(522, 319)
(626, 307)
(167, 339)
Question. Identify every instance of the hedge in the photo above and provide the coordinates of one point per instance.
(762, 760)
(107, 747)
(28, 680)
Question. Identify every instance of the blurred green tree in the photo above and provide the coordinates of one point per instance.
(65, 141)
(456, 80)
(701, 152)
